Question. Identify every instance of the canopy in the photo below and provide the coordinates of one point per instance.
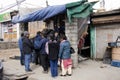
(42, 14)
(80, 9)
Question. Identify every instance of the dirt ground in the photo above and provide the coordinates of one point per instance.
(6, 54)
(86, 70)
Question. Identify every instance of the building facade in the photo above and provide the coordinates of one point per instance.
(9, 31)
(105, 28)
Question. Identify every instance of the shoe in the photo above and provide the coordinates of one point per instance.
(62, 75)
(29, 70)
(45, 72)
(22, 64)
(69, 74)
(54, 76)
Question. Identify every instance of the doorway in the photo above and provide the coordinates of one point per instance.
(85, 52)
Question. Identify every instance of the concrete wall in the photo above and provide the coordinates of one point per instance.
(104, 34)
(72, 35)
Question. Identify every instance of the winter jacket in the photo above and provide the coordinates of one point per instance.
(37, 40)
(53, 50)
(64, 52)
(20, 43)
(27, 46)
(42, 45)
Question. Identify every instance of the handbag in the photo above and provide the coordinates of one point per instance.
(72, 50)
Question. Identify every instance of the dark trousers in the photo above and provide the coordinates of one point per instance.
(44, 61)
(54, 67)
(37, 57)
(22, 57)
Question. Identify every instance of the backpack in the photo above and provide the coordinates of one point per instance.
(37, 42)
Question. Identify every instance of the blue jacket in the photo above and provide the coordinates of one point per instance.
(64, 52)
(38, 37)
(20, 44)
(42, 45)
(37, 40)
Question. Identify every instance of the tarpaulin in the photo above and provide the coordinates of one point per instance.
(42, 14)
(80, 9)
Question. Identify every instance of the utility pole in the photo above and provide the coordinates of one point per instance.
(18, 6)
(102, 4)
(47, 3)
(1, 6)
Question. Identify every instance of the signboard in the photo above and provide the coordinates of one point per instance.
(5, 17)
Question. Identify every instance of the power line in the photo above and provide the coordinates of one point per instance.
(11, 6)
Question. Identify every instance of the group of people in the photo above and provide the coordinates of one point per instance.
(46, 50)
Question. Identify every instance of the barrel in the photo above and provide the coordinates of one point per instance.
(116, 53)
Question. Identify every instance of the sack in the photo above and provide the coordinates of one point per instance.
(72, 50)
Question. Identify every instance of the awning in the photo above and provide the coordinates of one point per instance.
(80, 9)
(42, 14)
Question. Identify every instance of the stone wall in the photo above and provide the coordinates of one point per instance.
(72, 35)
(8, 45)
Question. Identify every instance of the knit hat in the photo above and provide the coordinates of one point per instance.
(26, 33)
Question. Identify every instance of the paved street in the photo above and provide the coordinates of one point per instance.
(87, 70)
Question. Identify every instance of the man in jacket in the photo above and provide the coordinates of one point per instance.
(27, 49)
(20, 44)
(44, 56)
(37, 40)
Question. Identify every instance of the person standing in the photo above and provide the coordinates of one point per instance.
(20, 44)
(44, 55)
(65, 56)
(52, 49)
(81, 46)
(27, 49)
(37, 40)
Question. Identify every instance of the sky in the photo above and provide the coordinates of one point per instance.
(109, 4)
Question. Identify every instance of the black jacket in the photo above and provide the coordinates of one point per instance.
(27, 46)
(53, 50)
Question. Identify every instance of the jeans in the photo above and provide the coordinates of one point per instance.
(33, 57)
(27, 61)
(54, 67)
(22, 57)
